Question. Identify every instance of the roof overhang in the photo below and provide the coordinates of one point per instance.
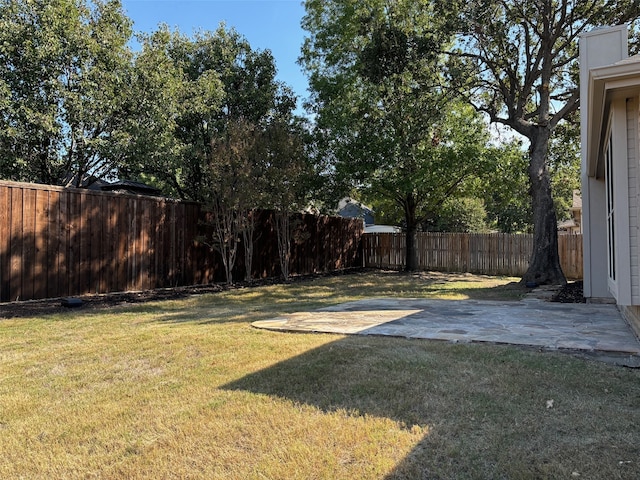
(619, 80)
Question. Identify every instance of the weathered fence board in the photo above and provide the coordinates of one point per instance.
(489, 254)
(57, 242)
(570, 250)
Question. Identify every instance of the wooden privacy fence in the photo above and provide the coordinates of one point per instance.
(57, 242)
(489, 254)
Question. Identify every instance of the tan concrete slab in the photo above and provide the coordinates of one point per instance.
(584, 327)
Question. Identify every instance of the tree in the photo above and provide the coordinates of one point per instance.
(65, 68)
(279, 177)
(190, 91)
(504, 189)
(231, 195)
(382, 118)
(216, 127)
(463, 214)
(160, 96)
(517, 62)
(287, 175)
(564, 165)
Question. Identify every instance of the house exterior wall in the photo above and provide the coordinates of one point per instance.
(634, 190)
(632, 314)
(610, 138)
(598, 48)
(621, 288)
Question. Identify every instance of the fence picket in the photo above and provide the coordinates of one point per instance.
(28, 242)
(41, 237)
(14, 253)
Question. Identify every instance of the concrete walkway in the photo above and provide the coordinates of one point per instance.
(531, 322)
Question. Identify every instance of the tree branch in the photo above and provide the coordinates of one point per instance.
(570, 106)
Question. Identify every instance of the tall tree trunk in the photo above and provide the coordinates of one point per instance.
(248, 233)
(411, 256)
(411, 264)
(283, 232)
(544, 266)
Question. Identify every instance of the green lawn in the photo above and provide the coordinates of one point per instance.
(188, 389)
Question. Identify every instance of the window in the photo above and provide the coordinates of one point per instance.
(611, 231)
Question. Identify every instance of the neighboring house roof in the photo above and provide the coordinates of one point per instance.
(381, 229)
(350, 201)
(577, 200)
(631, 59)
(350, 208)
(97, 185)
(567, 224)
(87, 181)
(573, 224)
(129, 186)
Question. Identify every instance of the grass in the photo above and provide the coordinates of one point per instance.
(187, 389)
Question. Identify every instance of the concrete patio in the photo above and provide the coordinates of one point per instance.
(588, 328)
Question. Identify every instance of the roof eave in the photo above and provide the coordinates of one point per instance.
(604, 84)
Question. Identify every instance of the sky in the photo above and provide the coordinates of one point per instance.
(266, 24)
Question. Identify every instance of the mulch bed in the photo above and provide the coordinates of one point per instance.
(35, 308)
(572, 292)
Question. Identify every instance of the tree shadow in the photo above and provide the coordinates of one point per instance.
(482, 407)
(345, 375)
(509, 292)
(402, 380)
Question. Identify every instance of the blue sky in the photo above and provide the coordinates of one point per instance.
(267, 24)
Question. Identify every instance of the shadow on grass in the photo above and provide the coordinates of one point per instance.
(414, 383)
(351, 374)
(251, 304)
(484, 407)
(187, 304)
(511, 292)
